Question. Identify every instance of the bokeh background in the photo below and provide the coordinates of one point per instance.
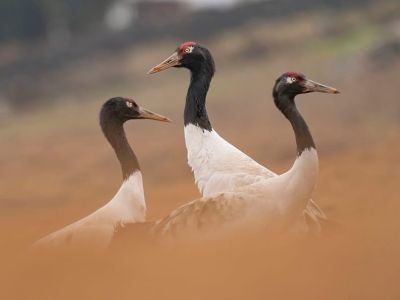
(60, 60)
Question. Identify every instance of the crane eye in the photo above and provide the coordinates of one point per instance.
(129, 104)
(189, 49)
(292, 79)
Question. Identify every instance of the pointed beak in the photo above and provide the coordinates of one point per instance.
(312, 86)
(172, 61)
(147, 114)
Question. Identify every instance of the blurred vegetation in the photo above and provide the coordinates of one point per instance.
(52, 49)
(33, 19)
(36, 19)
(361, 37)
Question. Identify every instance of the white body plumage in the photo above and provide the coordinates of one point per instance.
(220, 167)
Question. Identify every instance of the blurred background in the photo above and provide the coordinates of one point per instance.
(60, 60)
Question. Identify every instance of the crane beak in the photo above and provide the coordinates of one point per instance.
(147, 114)
(312, 86)
(172, 61)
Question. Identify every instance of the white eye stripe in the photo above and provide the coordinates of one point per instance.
(291, 79)
(189, 49)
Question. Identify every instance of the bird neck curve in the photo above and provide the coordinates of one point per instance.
(304, 140)
(195, 108)
(114, 132)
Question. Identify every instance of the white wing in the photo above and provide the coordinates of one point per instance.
(97, 229)
(94, 230)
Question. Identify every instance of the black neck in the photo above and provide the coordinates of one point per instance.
(195, 108)
(287, 106)
(114, 132)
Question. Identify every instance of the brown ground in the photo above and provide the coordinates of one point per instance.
(56, 168)
(357, 259)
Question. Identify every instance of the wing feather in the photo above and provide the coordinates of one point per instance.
(201, 215)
